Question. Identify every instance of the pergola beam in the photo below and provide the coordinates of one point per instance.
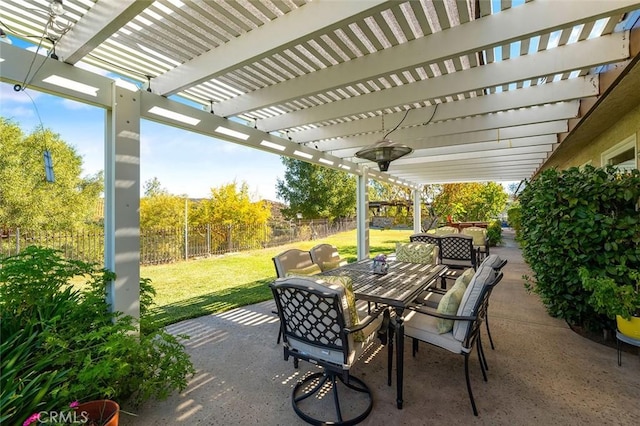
(519, 23)
(418, 137)
(580, 55)
(564, 90)
(96, 26)
(313, 19)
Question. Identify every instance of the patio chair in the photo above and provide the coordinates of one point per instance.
(293, 262)
(457, 252)
(480, 240)
(321, 325)
(426, 238)
(433, 296)
(327, 257)
(495, 262)
(455, 324)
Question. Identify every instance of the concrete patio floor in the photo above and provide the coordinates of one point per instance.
(540, 373)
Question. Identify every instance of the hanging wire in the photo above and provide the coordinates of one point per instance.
(432, 115)
(21, 87)
(46, 152)
(398, 125)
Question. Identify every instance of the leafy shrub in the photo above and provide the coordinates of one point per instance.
(579, 218)
(494, 233)
(61, 343)
(514, 218)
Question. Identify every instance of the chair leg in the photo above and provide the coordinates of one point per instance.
(483, 362)
(350, 382)
(486, 321)
(466, 373)
(389, 362)
(414, 348)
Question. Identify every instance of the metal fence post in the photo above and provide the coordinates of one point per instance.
(208, 239)
(186, 229)
(17, 240)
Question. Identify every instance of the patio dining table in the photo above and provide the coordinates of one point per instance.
(397, 288)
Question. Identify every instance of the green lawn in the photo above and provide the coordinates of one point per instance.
(200, 287)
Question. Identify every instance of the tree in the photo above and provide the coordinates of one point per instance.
(236, 218)
(230, 205)
(316, 191)
(27, 200)
(162, 211)
(153, 187)
(383, 191)
(159, 208)
(470, 201)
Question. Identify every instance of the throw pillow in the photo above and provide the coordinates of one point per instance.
(308, 270)
(352, 318)
(466, 276)
(417, 252)
(449, 305)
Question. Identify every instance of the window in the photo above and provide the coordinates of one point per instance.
(622, 156)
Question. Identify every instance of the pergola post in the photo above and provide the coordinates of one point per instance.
(122, 201)
(417, 213)
(362, 211)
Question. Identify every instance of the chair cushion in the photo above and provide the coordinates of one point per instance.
(449, 305)
(478, 235)
(423, 327)
(333, 264)
(493, 261)
(482, 277)
(352, 318)
(444, 230)
(416, 252)
(308, 270)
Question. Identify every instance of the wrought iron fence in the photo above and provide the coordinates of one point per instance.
(166, 245)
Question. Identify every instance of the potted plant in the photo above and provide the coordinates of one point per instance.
(616, 300)
(102, 412)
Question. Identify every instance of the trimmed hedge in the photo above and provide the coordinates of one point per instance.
(579, 218)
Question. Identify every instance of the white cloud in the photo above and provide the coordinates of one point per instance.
(7, 94)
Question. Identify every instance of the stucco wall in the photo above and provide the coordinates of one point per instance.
(618, 132)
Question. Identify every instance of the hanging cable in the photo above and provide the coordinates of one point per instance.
(432, 115)
(21, 87)
(46, 152)
(398, 125)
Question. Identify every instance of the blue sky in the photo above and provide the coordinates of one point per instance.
(184, 162)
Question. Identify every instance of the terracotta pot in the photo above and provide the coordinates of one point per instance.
(103, 412)
(630, 327)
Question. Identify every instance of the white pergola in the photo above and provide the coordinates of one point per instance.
(481, 90)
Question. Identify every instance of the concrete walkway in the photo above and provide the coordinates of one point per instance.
(541, 373)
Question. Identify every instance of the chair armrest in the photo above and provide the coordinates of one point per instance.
(366, 321)
(433, 313)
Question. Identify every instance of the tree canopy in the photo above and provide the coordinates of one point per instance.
(470, 201)
(27, 200)
(231, 204)
(316, 191)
